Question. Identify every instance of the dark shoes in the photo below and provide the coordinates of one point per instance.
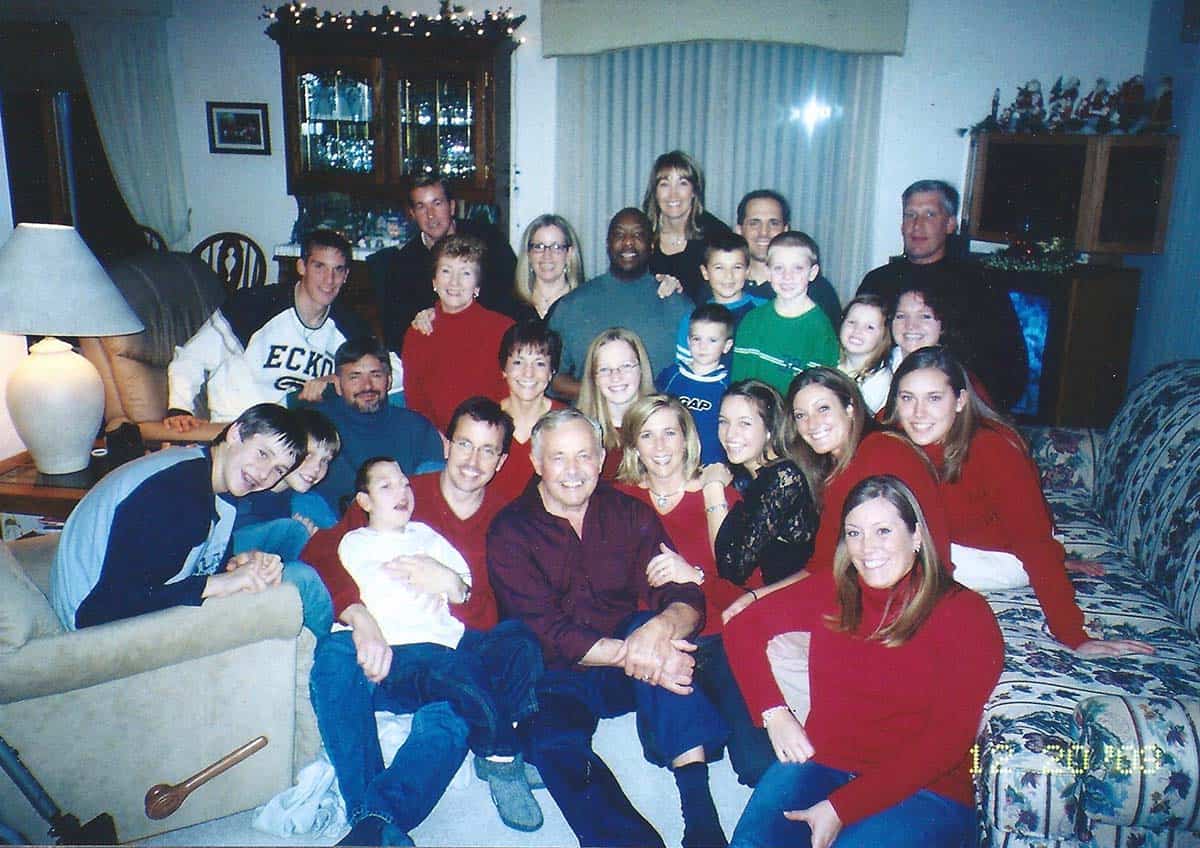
(375, 831)
(511, 793)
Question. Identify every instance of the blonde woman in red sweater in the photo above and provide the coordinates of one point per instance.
(901, 661)
(999, 521)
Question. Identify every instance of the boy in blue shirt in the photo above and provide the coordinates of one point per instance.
(726, 263)
(700, 385)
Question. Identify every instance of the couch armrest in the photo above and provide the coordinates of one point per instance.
(1139, 760)
(119, 649)
(1066, 458)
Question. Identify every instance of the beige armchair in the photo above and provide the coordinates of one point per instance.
(173, 294)
(100, 715)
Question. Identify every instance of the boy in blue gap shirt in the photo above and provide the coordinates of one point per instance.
(726, 263)
(700, 385)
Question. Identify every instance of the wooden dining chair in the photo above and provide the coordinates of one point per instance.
(237, 259)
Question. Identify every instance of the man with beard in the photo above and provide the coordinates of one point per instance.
(626, 296)
(357, 404)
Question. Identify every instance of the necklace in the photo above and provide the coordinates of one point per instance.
(662, 500)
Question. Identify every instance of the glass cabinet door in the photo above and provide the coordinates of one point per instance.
(337, 121)
(438, 126)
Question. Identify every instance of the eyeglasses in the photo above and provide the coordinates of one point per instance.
(469, 447)
(542, 247)
(624, 369)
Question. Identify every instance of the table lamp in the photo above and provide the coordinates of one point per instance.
(52, 285)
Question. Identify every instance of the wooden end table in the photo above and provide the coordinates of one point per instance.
(24, 490)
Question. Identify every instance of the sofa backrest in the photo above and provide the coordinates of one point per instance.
(1148, 482)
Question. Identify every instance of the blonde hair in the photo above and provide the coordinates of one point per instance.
(590, 401)
(632, 469)
(916, 596)
(879, 355)
(679, 161)
(524, 277)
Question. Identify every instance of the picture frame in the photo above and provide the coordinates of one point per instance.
(238, 128)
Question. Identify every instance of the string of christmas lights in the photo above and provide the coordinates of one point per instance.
(450, 23)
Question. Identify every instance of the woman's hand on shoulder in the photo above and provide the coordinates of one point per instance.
(715, 473)
(824, 821)
(668, 285)
(422, 322)
(1094, 648)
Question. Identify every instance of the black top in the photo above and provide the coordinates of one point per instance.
(685, 265)
(772, 527)
(983, 329)
(403, 279)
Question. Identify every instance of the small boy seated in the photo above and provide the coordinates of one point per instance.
(281, 519)
(700, 386)
(778, 340)
(726, 263)
(408, 575)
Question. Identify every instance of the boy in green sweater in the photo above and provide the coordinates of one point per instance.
(781, 338)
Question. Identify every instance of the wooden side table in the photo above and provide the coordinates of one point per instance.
(24, 490)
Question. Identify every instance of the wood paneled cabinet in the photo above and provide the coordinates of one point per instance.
(365, 120)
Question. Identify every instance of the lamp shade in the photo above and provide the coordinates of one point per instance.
(52, 285)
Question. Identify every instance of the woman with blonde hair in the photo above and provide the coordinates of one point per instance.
(674, 202)
(901, 661)
(548, 266)
(616, 372)
(661, 467)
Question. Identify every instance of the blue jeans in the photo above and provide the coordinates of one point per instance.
(750, 751)
(558, 740)
(922, 820)
(285, 537)
(447, 690)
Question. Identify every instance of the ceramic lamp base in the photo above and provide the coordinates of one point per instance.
(56, 401)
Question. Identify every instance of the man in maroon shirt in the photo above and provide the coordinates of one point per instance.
(569, 558)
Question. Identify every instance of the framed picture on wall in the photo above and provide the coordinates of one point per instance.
(238, 128)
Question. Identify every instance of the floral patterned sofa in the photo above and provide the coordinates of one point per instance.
(1105, 752)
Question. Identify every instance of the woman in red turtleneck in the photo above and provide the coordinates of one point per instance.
(457, 359)
(990, 488)
(901, 661)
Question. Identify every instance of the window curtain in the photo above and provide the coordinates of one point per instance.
(800, 120)
(128, 78)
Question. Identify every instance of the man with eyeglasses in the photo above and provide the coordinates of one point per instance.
(458, 504)
(357, 404)
(401, 275)
(626, 296)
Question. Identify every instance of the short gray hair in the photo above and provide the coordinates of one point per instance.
(948, 192)
(556, 418)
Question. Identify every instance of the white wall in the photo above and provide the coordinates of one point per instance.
(958, 53)
(219, 52)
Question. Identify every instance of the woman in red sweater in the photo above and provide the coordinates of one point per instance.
(992, 494)
(902, 660)
(529, 357)
(836, 442)
(457, 359)
(661, 467)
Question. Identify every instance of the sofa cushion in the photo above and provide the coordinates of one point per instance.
(24, 611)
(1139, 760)
(1066, 458)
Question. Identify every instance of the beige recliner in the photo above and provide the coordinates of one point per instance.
(173, 294)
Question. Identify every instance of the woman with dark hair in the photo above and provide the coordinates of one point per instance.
(999, 521)
(661, 466)
(674, 202)
(529, 356)
(923, 318)
(837, 444)
(771, 529)
(901, 661)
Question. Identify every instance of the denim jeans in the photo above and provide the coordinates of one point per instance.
(447, 692)
(285, 537)
(922, 820)
(559, 742)
(750, 751)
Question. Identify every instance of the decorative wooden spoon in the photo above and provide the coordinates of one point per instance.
(163, 799)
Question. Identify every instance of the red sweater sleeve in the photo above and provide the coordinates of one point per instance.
(970, 650)
(321, 553)
(746, 635)
(1005, 473)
